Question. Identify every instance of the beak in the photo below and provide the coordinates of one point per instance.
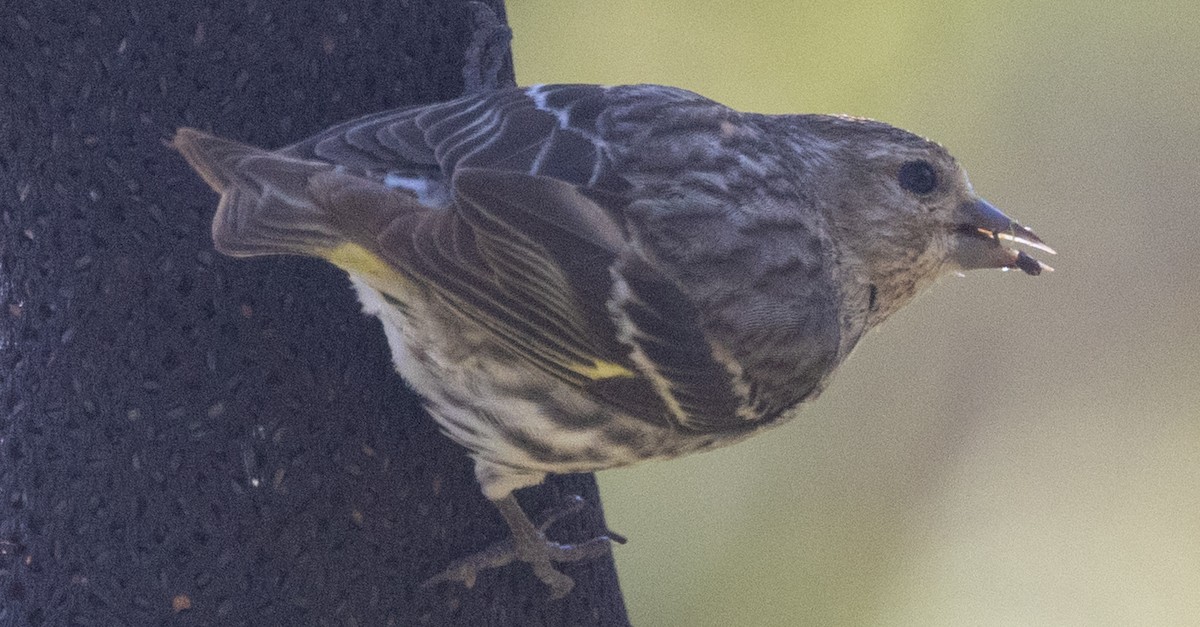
(981, 234)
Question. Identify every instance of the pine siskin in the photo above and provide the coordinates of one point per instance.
(578, 277)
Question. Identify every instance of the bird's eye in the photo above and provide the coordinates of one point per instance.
(917, 177)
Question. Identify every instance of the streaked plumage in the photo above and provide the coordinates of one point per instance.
(579, 277)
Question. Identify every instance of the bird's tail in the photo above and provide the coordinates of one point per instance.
(273, 203)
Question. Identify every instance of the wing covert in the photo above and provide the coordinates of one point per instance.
(543, 131)
(529, 243)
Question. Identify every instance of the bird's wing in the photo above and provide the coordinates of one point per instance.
(530, 245)
(539, 263)
(543, 130)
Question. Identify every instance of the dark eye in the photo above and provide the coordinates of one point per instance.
(917, 177)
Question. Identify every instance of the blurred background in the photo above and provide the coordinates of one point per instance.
(1008, 450)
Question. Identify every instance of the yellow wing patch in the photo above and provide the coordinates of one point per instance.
(362, 262)
(359, 261)
(602, 370)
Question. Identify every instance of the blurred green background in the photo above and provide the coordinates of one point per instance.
(1008, 450)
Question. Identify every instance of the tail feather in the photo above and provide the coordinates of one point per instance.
(277, 204)
(213, 158)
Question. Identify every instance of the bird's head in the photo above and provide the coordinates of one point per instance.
(903, 210)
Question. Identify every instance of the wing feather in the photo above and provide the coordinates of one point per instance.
(531, 246)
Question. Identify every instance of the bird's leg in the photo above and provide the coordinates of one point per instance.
(489, 49)
(532, 547)
(529, 544)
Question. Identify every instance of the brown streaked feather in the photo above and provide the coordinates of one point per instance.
(213, 158)
(273, 203)
(525, 248)
(502, 130)
(673, 349)
(265, 207)
(484, 259)
(531, 259)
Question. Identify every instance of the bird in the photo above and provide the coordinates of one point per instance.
(580, 277)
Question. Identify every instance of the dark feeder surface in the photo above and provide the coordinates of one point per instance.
(191, 439)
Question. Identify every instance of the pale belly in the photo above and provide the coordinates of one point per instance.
(518, 424)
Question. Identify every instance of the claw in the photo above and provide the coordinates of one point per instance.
(574, 505)
(467, 569)
(529, 544)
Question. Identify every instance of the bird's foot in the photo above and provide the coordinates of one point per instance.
(489, 49)
(530, 545)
